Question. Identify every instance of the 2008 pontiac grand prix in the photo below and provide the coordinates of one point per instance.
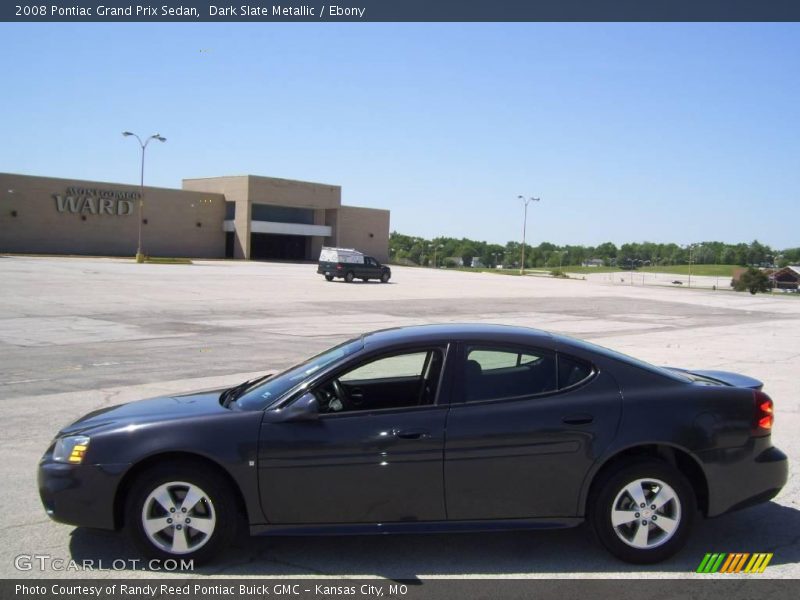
(420, 429)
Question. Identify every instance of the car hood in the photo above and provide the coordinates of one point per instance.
(162, 408)
(724, 377)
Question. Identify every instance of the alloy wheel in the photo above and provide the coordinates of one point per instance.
(646, 513)
(178, 517)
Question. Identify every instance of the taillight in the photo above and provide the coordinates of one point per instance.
(339, 267)
(764, 413)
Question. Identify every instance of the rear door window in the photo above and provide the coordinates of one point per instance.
(493, 373)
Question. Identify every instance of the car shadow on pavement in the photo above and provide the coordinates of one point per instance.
(767, 528)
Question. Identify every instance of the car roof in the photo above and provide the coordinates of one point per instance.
(453, 331)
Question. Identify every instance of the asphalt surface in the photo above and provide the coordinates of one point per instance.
(77, 334)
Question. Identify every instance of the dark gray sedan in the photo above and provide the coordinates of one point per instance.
(420, 429)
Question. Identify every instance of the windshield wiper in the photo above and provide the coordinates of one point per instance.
(231, 394)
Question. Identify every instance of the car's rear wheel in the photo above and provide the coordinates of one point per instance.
(643, 511)
(329, 277)
(180, 512)
(348, 277)
(384, 277)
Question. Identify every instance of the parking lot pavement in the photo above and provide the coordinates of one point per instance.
(80, 333)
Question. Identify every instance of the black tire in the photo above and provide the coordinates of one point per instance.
(348, 277)
(384, 277)
(650, 543)
(365, 279)
(329, 277)
(217, 505)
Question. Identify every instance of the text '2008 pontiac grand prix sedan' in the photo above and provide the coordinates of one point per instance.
(420, 429)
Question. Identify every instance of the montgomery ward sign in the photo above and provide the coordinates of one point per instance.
(91, 201)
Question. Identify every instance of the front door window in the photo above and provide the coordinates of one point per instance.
(397, 381)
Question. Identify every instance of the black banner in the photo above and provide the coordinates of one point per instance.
(369, 589)
(400, 10)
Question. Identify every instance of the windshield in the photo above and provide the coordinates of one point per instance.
(264, 394)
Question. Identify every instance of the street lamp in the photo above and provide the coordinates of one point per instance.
(156, 136)
(435, 248)
(776, 261)
(525, 203)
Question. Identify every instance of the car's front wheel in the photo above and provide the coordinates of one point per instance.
(384, 277)
(643, 511)
(179, 512)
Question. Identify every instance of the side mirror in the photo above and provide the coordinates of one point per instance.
(305, 408)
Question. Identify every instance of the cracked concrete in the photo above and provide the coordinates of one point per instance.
(77, 334)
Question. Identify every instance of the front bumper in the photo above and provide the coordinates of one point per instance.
(742, 477)
(80, 495)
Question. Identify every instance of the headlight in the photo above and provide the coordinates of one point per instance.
(71, 449)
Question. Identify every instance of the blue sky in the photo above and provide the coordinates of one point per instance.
(627, 132)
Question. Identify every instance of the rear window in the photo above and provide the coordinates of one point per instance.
(614, 355)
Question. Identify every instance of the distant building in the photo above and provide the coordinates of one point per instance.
(249, 217)
(787, 278)
(593, 262)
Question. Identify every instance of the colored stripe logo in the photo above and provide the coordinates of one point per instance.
(734, 562)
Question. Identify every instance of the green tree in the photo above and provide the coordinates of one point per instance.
(418, 250)
(606, 251)
(792, 256)
(753, 281)
(468, 252)
(758, 253)
(728, 256)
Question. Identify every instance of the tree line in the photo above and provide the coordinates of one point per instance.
(446, 251)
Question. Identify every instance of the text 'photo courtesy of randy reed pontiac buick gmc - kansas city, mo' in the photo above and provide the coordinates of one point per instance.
(420, 429)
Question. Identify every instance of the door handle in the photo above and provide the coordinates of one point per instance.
(579, 419)
(412, 434)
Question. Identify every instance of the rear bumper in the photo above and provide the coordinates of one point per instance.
(328, 271)
(742, 477)
(80, 495)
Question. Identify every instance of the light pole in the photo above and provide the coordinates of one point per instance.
(691, 247)
(435, 248)
(525, 203)
(156, 136)
(776, 261)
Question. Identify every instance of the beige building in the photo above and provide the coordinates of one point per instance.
(235, 217)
